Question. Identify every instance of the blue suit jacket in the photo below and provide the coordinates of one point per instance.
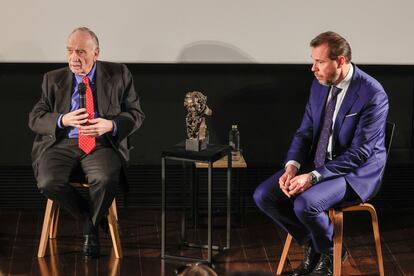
(358, 136)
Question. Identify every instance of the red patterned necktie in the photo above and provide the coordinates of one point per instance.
(88, 143)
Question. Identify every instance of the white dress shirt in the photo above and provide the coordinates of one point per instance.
(344, 85)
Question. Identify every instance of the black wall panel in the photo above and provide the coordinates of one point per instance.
(265, 100)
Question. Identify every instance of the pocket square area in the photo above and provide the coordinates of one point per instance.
(350, 115)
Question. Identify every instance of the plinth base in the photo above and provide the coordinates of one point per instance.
(195, 144)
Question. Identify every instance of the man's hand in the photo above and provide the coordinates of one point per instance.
(285, 179)
(300, 183)
(96, 127)
(75, 118)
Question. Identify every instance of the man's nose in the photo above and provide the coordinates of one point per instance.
(314, 67)
(74, 56)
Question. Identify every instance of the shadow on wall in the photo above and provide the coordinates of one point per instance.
(211, 51)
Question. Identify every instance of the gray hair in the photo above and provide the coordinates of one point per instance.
(90, 32)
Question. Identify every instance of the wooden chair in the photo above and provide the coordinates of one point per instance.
(336, 216)
(50, 223)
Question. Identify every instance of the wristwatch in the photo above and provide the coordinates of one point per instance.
(314, 178)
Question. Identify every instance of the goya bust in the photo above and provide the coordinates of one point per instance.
(196, 104)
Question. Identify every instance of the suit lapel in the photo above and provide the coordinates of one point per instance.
(103, 88)
(64, 92)
(349, 100)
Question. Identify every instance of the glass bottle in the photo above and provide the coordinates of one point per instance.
(234, 141)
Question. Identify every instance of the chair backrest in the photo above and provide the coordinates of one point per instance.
(389, 134)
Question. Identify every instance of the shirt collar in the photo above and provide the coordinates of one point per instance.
(91, 75)
(345, 82)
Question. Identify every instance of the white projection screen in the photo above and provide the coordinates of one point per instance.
(213, 31)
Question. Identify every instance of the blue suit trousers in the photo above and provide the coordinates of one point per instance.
(305, 216)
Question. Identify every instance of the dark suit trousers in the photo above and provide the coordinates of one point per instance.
(102, 171)
(304, 216)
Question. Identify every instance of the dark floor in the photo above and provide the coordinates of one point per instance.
(255, 247)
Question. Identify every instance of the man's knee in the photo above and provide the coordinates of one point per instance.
(47, 184)
(305, 206)
(259, 196)
(104, 180)
(263, 197)
(267, 192)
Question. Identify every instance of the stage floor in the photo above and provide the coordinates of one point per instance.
(255, 247)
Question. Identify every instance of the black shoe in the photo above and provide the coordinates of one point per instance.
(325, 265)
(91, 247)
(309, 262)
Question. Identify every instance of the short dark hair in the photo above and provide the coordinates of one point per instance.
(90, 32)
(338, 46)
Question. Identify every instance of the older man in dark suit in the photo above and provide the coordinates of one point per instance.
(92, 135)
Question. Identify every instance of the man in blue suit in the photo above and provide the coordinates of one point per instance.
(336, 156)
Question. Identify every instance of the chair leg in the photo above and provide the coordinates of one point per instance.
(54, 221)
(113, 228)
(331, 214)
(45, 229)
(375, 228)
(114, 210)
(284, 254)
(338, 232)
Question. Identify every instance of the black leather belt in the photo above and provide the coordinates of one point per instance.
(100, 141)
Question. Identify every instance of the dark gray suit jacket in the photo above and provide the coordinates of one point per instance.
(116, 98)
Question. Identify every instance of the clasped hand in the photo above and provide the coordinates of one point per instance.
(89, 127)
(292, 184)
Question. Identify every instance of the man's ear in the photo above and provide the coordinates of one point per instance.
(341, 61)
(96, 53)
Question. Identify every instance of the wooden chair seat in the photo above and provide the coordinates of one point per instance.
(336, 216)
(51, 218)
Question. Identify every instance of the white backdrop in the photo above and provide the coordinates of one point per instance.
(259, 31)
